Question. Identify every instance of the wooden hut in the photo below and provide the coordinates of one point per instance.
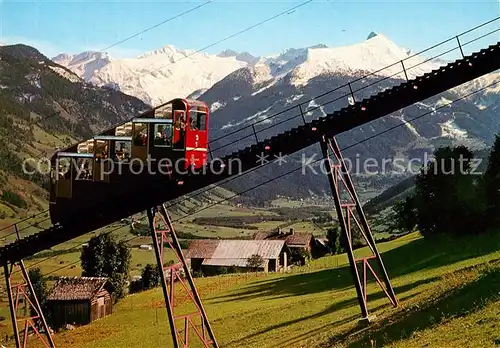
(79, 300)
(209, 256)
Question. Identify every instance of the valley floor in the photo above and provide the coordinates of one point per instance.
(448, 292)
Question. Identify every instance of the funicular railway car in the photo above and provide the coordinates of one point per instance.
(156, 145)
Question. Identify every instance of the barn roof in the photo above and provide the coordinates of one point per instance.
(76, 288)
(300, 238)
(295, 239)
(233, 252)
(201, 248)
(264, 235)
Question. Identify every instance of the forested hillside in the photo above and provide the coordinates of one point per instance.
(44, 106)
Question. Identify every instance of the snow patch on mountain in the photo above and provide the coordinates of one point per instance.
(216, 106)
(293, 98)
(450, 130)
(412, 129)
(443, 102)
(489, 85)
(64, 73)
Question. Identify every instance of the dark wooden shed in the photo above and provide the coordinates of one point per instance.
(79, 300)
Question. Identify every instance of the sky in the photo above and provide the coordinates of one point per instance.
(56, 26)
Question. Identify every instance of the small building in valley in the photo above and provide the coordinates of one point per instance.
(210, 256)
(79, 300)
(296, 242)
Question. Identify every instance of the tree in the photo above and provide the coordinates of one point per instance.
(446, 198)
(333, 236)
(255, 262)
(105, 257)
(491, 182)
(403, 216)
(150, 276)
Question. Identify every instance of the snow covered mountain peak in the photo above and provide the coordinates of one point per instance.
(171, 52)
(168, 72)
(373, 54)
(84, 64)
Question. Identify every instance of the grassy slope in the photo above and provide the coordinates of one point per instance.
(441, 297)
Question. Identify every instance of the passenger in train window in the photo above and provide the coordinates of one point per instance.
(159, 139)
(194, 122)
(180, 126)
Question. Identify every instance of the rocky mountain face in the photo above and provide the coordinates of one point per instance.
(45, 106)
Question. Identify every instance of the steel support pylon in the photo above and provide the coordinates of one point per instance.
(338, 176)
(163, 233)
(16, 293)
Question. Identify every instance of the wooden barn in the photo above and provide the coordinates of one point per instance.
(79, 300)
(210, 255)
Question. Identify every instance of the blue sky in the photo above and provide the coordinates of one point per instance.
(75, 26)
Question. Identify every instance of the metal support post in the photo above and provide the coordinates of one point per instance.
(302, 114)
(339, 178)
(352, 94)
(255, 134)
(163, 233)
(460, 46)
(404, 70)
(15, 293)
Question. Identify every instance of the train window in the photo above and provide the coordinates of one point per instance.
(86, 146)
(164, 111)
(124, 130)
(84, 170)
(63, 171)
(198, 120)
(140, 134)
(122, 151)
(163, 135)
(179, 129)
(101, 149)
(53, 183)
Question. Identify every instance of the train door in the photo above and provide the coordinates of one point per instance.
(196, 138)
(63, 174)
(140, 142)
(101, 160)
(179, 130)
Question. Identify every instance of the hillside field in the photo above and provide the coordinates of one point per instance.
(448, 292)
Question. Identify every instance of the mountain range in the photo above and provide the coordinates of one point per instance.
(242, 89)
(168, 72)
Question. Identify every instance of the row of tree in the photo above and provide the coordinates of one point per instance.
(451, 196)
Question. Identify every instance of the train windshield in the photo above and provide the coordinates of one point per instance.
(164, 111)
(198, 120)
